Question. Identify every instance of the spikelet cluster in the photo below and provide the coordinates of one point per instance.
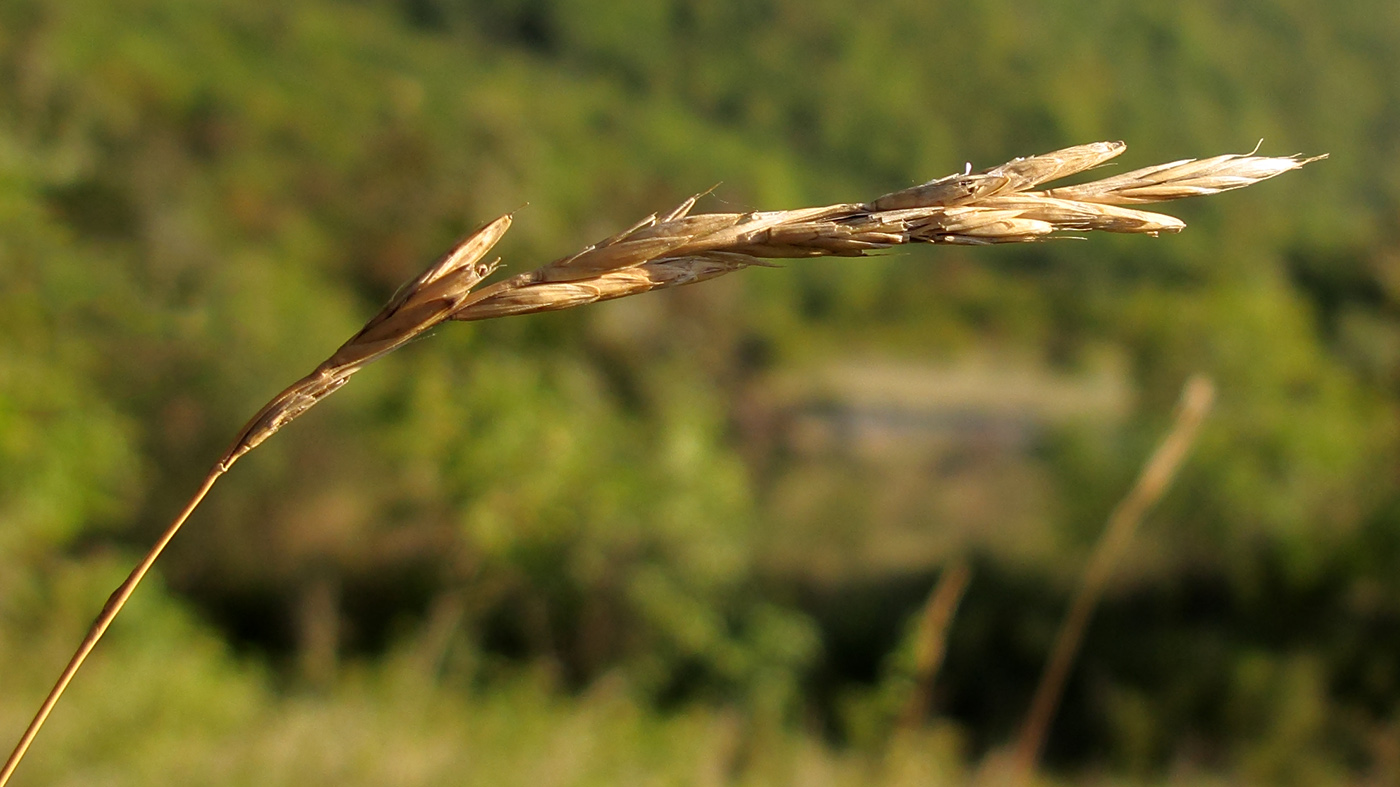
(998, 205)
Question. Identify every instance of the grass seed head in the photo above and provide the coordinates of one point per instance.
(996, 205)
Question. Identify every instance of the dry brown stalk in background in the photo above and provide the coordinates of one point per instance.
(1196, 400)
(994, 206)
(931, 640)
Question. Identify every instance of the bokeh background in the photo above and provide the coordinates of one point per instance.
(684, 538)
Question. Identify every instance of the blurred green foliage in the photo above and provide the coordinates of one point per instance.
(600, 540)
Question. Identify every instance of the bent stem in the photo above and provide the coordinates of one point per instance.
(931, 643)
(1197, 397)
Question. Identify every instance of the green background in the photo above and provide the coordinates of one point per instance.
(683, 538)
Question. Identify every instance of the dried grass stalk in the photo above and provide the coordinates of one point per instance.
(675, 248)
(931, 641)
(1197, 398)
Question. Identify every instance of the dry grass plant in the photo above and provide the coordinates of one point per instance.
(1157, 474)
(931, 641)
(998, 205)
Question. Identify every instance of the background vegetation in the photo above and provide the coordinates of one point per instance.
(681, 539)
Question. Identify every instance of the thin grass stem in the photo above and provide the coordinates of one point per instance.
(104, 619)
(931, 640)
(1196, 399)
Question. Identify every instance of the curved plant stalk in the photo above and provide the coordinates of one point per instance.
(1156, 477)
(997, 205)
(931, 641)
